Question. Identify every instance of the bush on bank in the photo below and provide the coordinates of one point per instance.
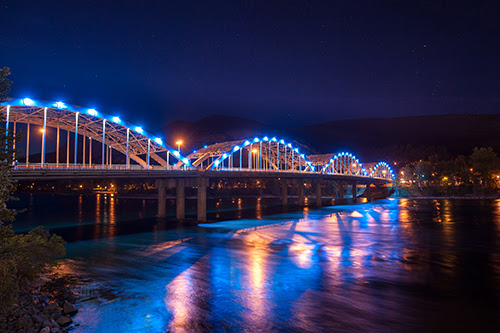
(23, 257)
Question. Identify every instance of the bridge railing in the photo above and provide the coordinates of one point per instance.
(55, 166)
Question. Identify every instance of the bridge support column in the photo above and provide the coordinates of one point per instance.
(354, 191)
(162, 198)
(284, 192)
(368, 192)
(180, 205)
(300, 192)
(202, 199)
(341, 191)
(318, 193)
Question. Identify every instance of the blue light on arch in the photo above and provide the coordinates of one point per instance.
(60, 105)
(28, 102)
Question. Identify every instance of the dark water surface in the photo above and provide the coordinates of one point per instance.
(392, 265)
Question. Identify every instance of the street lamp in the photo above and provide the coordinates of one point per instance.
(254, 153)
(179, 143)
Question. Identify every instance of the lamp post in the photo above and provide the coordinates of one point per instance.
(42, 160)
(179, 143)
(254, 154)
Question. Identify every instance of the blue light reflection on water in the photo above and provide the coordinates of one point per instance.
(392, 264)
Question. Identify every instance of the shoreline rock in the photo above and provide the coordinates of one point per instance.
(47, 306)
(69, 309)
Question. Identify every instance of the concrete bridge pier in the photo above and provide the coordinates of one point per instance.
(368, 192)
(203, 183)
(180, 198)
(284, 192)
(162, 198)
(341, 190)
(318, 193)
(354, 190)
(300, 192)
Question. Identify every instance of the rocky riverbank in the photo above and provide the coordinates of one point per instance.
(46, 306)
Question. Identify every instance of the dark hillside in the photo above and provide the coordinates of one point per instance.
(457, 134)
(370, 139)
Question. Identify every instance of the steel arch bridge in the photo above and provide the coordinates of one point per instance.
(85, 125)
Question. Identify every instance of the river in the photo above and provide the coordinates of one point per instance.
(391, 265)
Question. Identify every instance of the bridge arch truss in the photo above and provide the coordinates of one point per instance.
(341, 164)
(87, 126)
(382, 170)
(259, 154)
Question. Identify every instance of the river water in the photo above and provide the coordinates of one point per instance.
(391, 265)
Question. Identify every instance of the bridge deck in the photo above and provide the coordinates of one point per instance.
(97, 173)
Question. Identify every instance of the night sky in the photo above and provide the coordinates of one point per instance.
(280, 62)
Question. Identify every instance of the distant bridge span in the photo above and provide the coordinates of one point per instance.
(93, 138)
